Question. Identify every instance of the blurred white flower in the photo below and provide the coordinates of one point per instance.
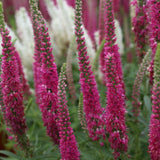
(96, 37)
(26, 38)
(119, 36)
(62, 28)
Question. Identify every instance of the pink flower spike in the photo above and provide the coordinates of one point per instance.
(154, 30)
(110, 46)
(115, 110)
(154, 127)
(89, 16)
(12, 91)
(140, 27)
(45, 74)
(11, 85)
(91, 99)
(125, 4)
(101, 21)
(68, 145)
(71, 3)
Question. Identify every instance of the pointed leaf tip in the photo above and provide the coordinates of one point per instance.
(1, 16)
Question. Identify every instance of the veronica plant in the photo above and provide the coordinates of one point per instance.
(91, 99)
(12, 90)
(45, 73)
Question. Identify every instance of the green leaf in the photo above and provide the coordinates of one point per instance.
(156, 64)
(1, 16)
(43, 157)
(14, 41)
(28, 105)
(10, 154)
(147, 102)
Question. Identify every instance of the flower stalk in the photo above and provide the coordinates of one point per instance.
(137, 83)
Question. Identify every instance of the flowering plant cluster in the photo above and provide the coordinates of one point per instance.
(80, 81)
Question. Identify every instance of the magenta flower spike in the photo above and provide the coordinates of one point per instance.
(140, 28)
(11, 79)
(37, 20)
(12, 90)
(68, 145)
(91, 99)
(101, 21)
(43, 9)
(45, 72)
(11, 6)
(115, 111)
(25, 86)
(110, 46)
(154, 127)
(116, 5)
(154, 29)
(19, 3)
(154, 6)
(11, 83)
(89, 16)
(48, 90)
(71, 3)
(125, 4)
(107, 32)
